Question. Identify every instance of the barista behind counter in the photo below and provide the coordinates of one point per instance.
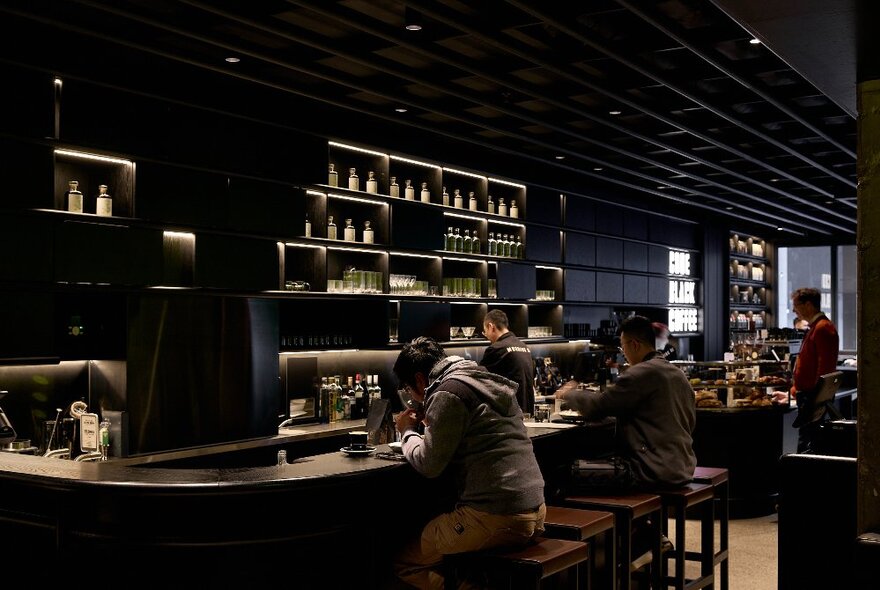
(509, 357)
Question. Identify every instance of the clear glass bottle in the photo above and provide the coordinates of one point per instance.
(331, 228)
(348, 232)
(333, 176)
(354, 183)
(104, 204)
(490, 250)
(282, 457)
(502, 207)
(372, 183)
(490, 208)
(409, 192)
(459, 241)
(324, 409)
(467, 243)
(520, 248)
(336, 409)
(505, 243)
(457, 200)
(475, 243)
(375, 390)
(450, 241)
(445, 197)
(74, 197)
(308, 233)
(472, 201)
(514, 210)
(368, 233)
(361, 401)
(425, 194)
(394, 188)
(104, 439)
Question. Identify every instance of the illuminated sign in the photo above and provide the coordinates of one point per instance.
(683, 320)
(682, 292)
(679, 263)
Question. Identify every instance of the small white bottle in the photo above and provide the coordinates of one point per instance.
(333, 176)
(502, 207)
(426, 194)
(308, 233)
(409, 192)
(348, 232)
(394, 188)
(104, 439)
(490, 208)
(514, 210)
(445, 197)
(104, 205)
(331, 228)
(457, 200)
(368, 233)
(372, 183)
(354, 183)
(74, 197)
(472, 201)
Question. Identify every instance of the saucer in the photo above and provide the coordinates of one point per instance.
(358, 452)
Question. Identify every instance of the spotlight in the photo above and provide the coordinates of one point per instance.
(412, 20)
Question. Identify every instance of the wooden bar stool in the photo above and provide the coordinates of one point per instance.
(522, 568)
(718, 478)
(577, 524)
(677, 502)
(627, 509)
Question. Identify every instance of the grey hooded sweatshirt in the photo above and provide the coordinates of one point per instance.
(479, 436)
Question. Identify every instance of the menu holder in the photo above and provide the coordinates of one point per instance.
(378, 419)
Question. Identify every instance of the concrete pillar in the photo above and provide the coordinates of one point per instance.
(868, 240)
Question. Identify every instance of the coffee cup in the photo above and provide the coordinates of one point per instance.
(357, 440)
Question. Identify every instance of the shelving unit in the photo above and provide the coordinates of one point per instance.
(751, 294)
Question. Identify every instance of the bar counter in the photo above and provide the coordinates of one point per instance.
(321, 519)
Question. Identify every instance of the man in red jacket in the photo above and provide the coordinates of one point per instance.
(817, 357)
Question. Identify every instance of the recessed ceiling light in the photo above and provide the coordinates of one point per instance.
(598, 169)
(774, 180)
(614, 112)
(560, 157)
(755, 41)
(400, 109)
(412, 19)
(233, 60)
(830, 202)
(661, 187)
(729, 208)
(413, 27)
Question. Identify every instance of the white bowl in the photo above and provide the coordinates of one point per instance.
(397, 447)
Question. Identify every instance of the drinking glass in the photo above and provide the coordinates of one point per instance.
(392, 330)
(453, 332)
(468, 331)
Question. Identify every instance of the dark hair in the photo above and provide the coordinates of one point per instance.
(639, 328)
(497, 318)
(660, 329)
(808, 295)
(418, 356)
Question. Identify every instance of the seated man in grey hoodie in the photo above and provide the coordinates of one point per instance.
(473, 427)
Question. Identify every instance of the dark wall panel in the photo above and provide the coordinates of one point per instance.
(266, 208)
(635, 225)
(658, 291)
(609, 253)
(544, 244)
(580, 249)
(544, 206)
(229, 262)
(609, 220)
(673, 233)
(27, 104)
(171, 194)
(26, 169)
(580, 285)
(580, 213)
(414, 225)
(609, 287)
(635, 256)
(658, 260)
(31, 239)
(635, 289)
(515, 281)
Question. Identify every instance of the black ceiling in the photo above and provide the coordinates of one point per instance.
(659, 103)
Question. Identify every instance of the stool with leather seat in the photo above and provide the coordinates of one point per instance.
(718, 478)
(578, 524)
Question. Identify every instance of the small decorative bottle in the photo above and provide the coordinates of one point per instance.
(368, 233)
(333, 177)
(104, 206)
(308, 226)
(475, 243)
(472, 201)
(502, 207)
(354, 183)
(104, 438)
(520, 249)
(490, 208)
(426, 194)
(457, 200)
(348, 232)
(445, 197)
(74, 197)
(372, 184)
(459, 241)
(394, 189)
(450, 241)
(514, 210)
(505, 243)
(409, 192)
(467, 243)
(331, 228)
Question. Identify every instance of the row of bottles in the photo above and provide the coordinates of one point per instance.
(103, 202)
(409, 193)
(455, 242)
(504, 246)
(349, 233)
(347, 400)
